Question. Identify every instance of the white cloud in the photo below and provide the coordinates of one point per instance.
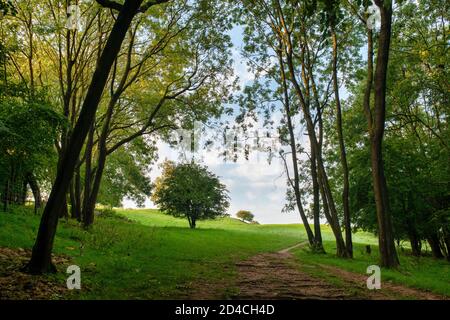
(241, 69)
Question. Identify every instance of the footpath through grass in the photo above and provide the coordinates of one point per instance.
(144, 254)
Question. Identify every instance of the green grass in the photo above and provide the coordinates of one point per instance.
(144, 254)
(417, 272)
(153, 257)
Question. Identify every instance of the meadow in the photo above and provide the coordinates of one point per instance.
(144, 254)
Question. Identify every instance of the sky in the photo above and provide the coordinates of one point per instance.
(253, 184)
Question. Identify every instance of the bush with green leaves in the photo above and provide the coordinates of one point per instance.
(245, 215)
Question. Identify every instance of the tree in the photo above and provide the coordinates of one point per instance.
(293, 30)
(41, 261)
(245, 215)
(376, 126)
(26, 142)
(155, 86)
(332, 10)
(189, 190)
(271, 93)
(415, 149)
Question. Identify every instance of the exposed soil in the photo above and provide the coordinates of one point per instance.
(279, 276)
(16, 285)
(271, 276)
(268, 276)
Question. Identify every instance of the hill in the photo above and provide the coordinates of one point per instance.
(144, 254)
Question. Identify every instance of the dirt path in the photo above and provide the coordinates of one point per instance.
(276, 275)
(279, 275)
(271, 276)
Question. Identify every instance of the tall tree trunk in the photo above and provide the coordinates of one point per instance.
(447, 244)
(23, 193)
(72, 199)
(415, 243)
(388, 253)
(87, 218)
(323, 180)
(88, 212)
(77, 195)
(318, 245)
(343, 155)
(64, 211)
(327, 198)
(341, 250)
(41, 255)
(101, 162)
(296, 184)
(433, 241)
(322, 176)
(34, 186)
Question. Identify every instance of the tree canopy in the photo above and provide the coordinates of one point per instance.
(354, 92)
(189, 190)
(245, 215)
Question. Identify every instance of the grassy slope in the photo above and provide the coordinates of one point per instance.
(157, 255)
(422, 273)
(155, 258)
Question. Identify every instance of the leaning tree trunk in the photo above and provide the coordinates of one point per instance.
(322, 176)
(343, 155)
(41, 255)
(296, 184)
(326, 194)
(388, 253)
(88, 210)
(331, 218)
(327, 197)
(298, 199)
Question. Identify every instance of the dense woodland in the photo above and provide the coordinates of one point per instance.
(83, 103)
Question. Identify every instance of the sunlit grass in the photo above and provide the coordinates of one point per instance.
(144, 254)
(418, 272)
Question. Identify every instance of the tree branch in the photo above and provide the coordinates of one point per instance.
(110, 4)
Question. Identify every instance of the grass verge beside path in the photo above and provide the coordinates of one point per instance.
(424, 273)
(153, 257)
(144, 254)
